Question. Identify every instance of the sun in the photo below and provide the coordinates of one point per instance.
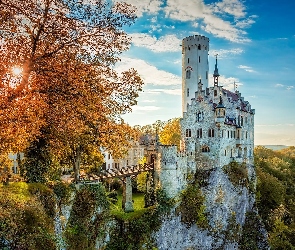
(17, 71)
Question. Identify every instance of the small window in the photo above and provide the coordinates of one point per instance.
(242, 121)
(188, 60)
(215, 92)
(206, 74)
(227, 134)
(187, 92)
(188, 74)
(211, 132)
(199, 59)
(188, 133)
(199, 133)
(224, 152)
(199, 47)
(109, 156)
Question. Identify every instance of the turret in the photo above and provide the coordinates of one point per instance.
(220, 112)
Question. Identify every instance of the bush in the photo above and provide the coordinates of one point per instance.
(191, 208)
(237, 173)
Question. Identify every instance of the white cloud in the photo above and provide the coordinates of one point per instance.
(223, 29)
(279, 85)
(145, 108)
(165, 91)
(149, 73)
(223, 53)
(233, 7)
(246, 68)
(228, 82)
(144, 6)
(184, 10)
(288, 87)
(164, 44)
(246, 22)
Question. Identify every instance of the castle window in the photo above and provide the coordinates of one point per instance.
(205, 149)
(200, 116)
(227, 134)
(188, 74)
(188, 60)
(189, 48)
(211, 132)
(242, 121)
(231, 153)
(188, 133)
(199, 133)
(199, 47)
(109, 156)
(199, 59)
(224, 152)
(206, 74)
(215, 92)
(234, 134)
(187, 92)
(246, 135)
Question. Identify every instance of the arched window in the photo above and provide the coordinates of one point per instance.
(188, 74)
(205, 149)
(187, 92)
(211, 132)
(188, 133)
(199, 47)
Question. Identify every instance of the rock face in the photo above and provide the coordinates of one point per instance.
(227, 208)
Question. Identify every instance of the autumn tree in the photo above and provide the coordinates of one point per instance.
(171, 133)
(66, 50)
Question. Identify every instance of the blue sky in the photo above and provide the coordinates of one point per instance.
(255, 41)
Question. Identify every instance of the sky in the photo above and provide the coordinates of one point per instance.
(255, 43)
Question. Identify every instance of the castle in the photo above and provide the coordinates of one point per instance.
(217, 125)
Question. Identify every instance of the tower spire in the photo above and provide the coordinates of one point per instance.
(216, 74)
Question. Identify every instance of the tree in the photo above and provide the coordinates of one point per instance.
(171, 133)
(66, 49)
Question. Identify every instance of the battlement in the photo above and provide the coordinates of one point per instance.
(195, 42)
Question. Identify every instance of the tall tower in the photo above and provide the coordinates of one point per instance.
(195, 66)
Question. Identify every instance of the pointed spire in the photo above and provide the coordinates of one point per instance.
(216, 74)
(216, 69)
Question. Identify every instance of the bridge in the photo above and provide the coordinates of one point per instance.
(124, 174)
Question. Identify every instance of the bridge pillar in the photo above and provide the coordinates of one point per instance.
(127, 203)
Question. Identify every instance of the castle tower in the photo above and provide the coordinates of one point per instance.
(195, 66)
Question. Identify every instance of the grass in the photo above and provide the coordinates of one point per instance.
(138, 205)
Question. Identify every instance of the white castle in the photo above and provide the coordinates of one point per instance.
(217, 125)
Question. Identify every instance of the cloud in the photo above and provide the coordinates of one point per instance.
(184, 10)
(149, 73)
(246, 23)
(151, 7)
(288, 87)
(246, 68)
(232, 7)
(168, 43)
(165, 91)
(145, 108)
(228, 82)
(223, 53)
(223, 29)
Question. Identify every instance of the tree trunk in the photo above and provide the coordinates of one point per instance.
(77, 163)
